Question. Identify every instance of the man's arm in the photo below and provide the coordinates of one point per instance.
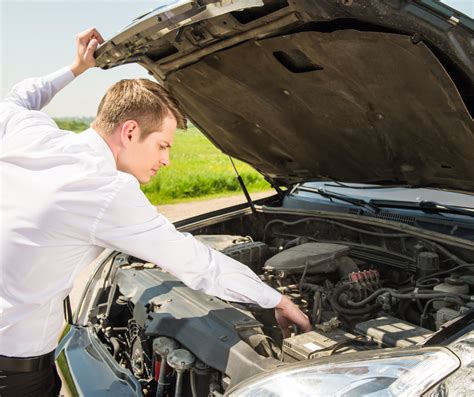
(35, 93)
(131, 224)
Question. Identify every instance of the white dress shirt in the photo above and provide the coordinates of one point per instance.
(62, 202)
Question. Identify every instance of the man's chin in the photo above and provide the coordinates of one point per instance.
(143, 180)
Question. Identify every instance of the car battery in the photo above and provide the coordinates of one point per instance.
(317, 343)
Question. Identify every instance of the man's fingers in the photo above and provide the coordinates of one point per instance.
(91, 33)
(300, 319)
(307, 327)
(93, 44)
(86, 33)
(99, 37)
(288, 313)
(91, 47)
(304, 324)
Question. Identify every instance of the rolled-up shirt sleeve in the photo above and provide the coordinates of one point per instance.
(129, 223)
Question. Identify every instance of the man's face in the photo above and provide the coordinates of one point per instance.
(143, 158)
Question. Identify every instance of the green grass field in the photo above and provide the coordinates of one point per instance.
(197, 169)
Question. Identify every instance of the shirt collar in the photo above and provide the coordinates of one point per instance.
(93, 138)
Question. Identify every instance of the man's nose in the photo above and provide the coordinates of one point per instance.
(165, 159)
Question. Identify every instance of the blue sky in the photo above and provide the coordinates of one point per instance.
(37, 37)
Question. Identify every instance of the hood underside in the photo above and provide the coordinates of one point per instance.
(354, 105)
(372, 107)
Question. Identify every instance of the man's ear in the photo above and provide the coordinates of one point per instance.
(129, 132)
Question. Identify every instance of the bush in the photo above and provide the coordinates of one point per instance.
(74, 125)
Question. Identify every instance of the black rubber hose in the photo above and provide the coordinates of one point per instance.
(312, 287)
(115, 345)
(432, 294)
(345, 266)
(420, 294)
(428, 282)
(334, 301)
(370, 298)
(317, 307)
(424, 315)
(434, 275)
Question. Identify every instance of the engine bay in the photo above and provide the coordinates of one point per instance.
(364, 287)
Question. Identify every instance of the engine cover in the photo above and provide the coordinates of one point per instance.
(316, 257)
(207, 326)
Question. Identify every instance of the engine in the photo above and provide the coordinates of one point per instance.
(177, 341)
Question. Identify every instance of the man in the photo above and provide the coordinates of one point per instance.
(65, 197)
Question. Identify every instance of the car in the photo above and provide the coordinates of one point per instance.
(359, 114)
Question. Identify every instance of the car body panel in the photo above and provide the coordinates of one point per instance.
(89, 370)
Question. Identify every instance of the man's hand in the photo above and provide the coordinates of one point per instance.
(287, 313)
(86, 44)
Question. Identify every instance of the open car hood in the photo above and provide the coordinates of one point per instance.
(356, 91)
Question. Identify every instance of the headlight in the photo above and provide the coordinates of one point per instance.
(395, 373)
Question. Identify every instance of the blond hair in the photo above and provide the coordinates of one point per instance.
(142, 100)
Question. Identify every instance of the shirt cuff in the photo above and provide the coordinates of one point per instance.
(271, 297)
(61, 78)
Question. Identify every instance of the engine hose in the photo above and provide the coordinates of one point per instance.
(424, 315)
(334, 301)
(303, 275)
(312, 287)
(420, 294)
(428, 282)
(434, 275)
(432, 294)
(370, 298)
(115, 345)
(317, 307)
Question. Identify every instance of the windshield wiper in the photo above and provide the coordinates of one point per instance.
(342, 197)
(343, 185)
(423, 205)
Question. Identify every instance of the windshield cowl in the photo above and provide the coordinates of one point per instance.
(392, 196)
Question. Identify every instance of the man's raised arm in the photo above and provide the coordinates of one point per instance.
(35, 93)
